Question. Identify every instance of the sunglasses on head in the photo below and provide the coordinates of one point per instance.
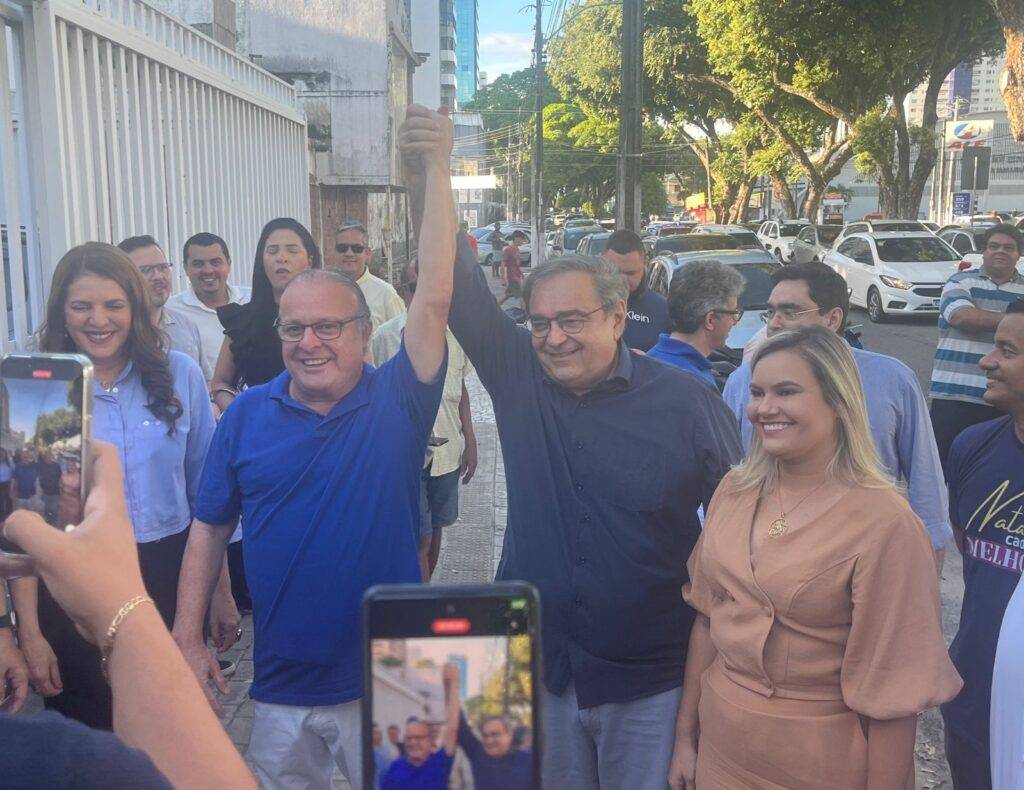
(356, 248)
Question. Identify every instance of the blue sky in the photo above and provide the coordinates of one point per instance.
(506, 36)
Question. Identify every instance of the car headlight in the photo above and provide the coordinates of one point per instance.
(896, 282)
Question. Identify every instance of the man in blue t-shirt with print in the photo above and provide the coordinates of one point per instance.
(323, 464)
(986, 488)
(422, 767)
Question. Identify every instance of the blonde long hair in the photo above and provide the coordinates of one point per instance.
(855, 461)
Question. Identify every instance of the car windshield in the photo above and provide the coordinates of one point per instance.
(573, 236)
(888, 227)
(694, 242)
(479, 233)
(598, 244)
(791, 228)
(914, 250)
(748, 241)
(828, 233)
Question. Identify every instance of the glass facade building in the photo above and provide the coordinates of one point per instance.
(467, 50)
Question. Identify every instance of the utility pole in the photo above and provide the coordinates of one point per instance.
(537, 198)
(508, 178)
(627, 201)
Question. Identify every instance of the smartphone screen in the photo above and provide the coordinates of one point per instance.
(451, 688)
(43, 433)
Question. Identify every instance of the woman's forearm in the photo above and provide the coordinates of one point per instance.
(890, 752)
(225, 377)
(25, 595)
(699, 656)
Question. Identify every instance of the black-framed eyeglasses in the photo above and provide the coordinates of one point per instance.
(736, 314)
(153, 268)
(786, 313)
(358, 249)
(293, 332)
(570, 324)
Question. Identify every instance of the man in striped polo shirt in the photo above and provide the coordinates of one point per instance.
(972, 304)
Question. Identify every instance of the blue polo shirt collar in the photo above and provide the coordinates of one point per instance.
(357, 398)
(680, 348)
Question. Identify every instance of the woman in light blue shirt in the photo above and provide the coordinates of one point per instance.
(153, 405)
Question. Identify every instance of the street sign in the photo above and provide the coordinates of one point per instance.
(974, 168)
(966, 134)
(961, 203)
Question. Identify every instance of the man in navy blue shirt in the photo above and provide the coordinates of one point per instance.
(323, 464)
(496, 765)
(646, 310)
(608, 456)
(703, 307)
(985, 470)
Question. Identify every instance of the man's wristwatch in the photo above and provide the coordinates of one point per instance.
(6, 620)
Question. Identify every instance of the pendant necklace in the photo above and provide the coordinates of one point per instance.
(780, 525)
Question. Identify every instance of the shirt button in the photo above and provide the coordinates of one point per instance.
(579, 486)
(580, 560)
(114, 389)
(586, 517)
(579, 445)
(145, 422)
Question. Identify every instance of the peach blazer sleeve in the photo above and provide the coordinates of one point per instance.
(896, 663)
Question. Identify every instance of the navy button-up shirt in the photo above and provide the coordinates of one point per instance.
(603, 492)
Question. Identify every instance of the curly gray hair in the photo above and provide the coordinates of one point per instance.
(697, 289)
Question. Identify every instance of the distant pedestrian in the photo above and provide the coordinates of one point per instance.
(511, 265)
(207, 265)
(323, 466)
(703, 307)
(972, 304)
(395, 740)
(446, 462)
(497, 241)
(985, 470)
(251, 354)
(646, 310)
(819, 634)
(49, 486)
(352, 256)
(608, 456)
(25, 477)
(464, 227)
(808, 294)
(382, 759)
(152, 263)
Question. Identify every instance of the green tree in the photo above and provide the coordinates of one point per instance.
(846, 69)
(508, 692)
(54, 426)
(1011, 15)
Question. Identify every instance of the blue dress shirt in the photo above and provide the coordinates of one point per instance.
(902, 429)
(683, 356)
(161, 472)
(603, 492)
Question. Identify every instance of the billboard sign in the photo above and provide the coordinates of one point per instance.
(961, 204)
(967, 134)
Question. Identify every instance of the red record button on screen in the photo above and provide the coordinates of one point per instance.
(450, 625)
(42, 374)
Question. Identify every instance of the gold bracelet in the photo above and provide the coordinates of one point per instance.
(108, 643)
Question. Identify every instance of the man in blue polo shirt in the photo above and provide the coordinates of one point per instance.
(703, 307)
(323, 465)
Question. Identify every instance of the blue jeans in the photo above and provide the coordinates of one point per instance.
(625, 745)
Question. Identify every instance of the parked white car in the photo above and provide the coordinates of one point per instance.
(969, 242)
(813, 242)
(894, 273)
(881, 226)
(777, 236)
(485, 252)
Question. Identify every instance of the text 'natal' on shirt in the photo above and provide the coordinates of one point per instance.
(330, 505)
(986, 486)
(956, 375)
(603, 492)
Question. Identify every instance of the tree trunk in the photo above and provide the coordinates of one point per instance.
(1011, 13)
(781, 192)
(811, 202)
(738, 211)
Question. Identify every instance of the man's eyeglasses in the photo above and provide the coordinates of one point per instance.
(145, 271)
(325, 330)
(736, 314)
(786, 313)
(570, 324)
(356, 248)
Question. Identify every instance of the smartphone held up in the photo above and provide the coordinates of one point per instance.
(45, 420)
(450, 689)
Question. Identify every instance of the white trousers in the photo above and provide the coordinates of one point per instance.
(296, 748)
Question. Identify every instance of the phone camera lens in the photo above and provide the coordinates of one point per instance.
(449, 608)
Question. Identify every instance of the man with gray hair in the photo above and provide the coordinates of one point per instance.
(702, 310)
(352, 256)
(608, 455)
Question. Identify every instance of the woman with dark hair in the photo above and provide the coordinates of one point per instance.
(251, 354)
(152, 405)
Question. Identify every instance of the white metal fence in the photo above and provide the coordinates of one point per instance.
(117, 119)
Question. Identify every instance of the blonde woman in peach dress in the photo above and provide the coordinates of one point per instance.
(818, 637)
